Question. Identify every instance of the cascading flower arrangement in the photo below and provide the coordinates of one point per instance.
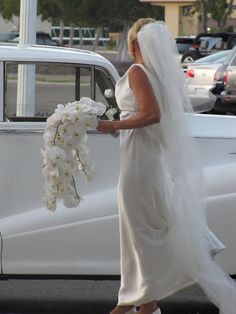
(65, 154)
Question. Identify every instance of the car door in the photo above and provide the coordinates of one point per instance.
(83, 240)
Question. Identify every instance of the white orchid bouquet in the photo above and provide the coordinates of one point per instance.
(65, 154)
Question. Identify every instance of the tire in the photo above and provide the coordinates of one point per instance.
(190, 56)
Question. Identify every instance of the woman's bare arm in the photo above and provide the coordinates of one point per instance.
(149, 109)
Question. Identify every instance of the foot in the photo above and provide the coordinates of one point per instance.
(148, 308)
(121, 309)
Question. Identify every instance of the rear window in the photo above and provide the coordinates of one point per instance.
(214, 58)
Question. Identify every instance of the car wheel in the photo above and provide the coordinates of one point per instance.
(190, 56)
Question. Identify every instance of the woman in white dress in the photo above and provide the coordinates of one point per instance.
(166, 244)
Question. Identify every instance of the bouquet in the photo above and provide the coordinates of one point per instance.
(65, 154)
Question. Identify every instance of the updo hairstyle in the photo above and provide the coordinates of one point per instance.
(133, 32)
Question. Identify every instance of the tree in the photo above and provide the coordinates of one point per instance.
(127, 12)
(121, 13)
(204, 18)
(218, 10)
(66, 12)
(226, 14)
(9, 8)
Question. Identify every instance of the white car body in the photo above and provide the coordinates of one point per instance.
(85, 240)
(201, 73)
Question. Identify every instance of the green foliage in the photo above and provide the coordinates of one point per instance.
(114, 14)
(49, 10)
(67, 11)
(217, 9)
(9, 8)
(131, 10)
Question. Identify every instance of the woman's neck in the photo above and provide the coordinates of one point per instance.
(138, 59)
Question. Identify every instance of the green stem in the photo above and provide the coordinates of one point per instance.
(74, 185)
(83, 170)
(54, 140)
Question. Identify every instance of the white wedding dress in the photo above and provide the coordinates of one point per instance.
(148, 271)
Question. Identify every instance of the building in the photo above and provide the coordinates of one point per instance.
(182, 19)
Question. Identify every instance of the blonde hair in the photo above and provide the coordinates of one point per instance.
(133, 32)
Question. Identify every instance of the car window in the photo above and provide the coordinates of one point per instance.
(104, 88)
(54, 84)
(218, 57)
(209, 42)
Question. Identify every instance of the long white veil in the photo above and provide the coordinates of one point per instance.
(189, 240)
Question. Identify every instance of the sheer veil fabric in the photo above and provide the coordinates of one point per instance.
(189, 240)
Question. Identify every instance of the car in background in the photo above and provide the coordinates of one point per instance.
(224, 85)
(228, 96)
(183, 43)
(42, 38)
(201, 73)
(207, 43)
(8, 37)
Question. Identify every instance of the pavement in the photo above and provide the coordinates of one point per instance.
(70, 296)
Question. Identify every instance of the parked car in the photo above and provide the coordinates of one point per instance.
(207, 43)
(183, 43)
(228, 96)
(85, 240)
(42, 38)
(201, 73)
(223, 87)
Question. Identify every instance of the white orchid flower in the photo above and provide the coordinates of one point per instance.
(90, 177)
(65, 152)
(110, 113)
(56, 154)
(93, 122)
(70, 201)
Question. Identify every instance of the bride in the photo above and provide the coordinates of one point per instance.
(166, 244)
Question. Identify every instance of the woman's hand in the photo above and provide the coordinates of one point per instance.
(105, 126)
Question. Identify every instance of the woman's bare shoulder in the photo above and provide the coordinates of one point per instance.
(136, 69)
(137, 73)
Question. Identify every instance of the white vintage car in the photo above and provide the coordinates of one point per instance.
(85, 240)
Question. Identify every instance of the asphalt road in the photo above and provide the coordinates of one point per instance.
(72, 296)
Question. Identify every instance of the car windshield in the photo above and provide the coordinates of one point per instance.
(218, 57)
